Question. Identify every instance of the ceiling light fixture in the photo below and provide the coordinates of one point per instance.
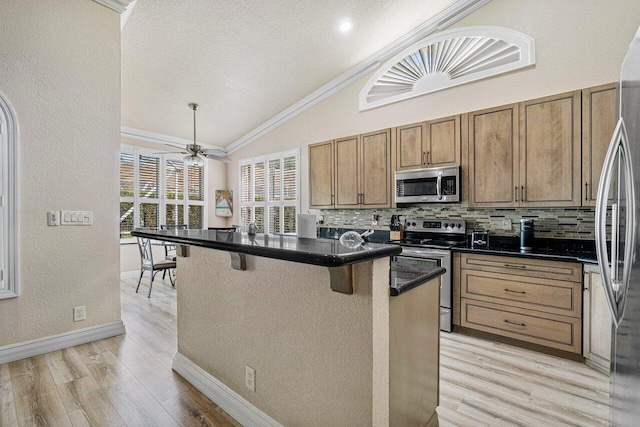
(346, 26)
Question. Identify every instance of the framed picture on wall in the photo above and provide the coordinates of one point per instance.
(224, 203)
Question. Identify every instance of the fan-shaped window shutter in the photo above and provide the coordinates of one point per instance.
(449, 59)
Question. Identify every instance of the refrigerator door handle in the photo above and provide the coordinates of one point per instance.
(616, 289)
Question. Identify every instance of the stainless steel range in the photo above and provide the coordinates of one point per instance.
(428, 242)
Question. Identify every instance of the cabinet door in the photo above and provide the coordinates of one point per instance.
(597, 326)
(443, 142)
(376, 169)
(598, 122)
(550, 147)
(321, 190)
(493, 157)
(347, 157)
(410, 153)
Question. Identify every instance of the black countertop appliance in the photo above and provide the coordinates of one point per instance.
(526, 235)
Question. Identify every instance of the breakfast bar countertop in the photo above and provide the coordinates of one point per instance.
(322, 252)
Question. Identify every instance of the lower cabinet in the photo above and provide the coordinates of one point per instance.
(531, 300)
(597, 328)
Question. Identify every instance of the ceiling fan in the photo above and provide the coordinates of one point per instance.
(194, 151)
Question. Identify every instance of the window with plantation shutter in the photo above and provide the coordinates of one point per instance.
(159, 189)
(269, 192)
(127, 193)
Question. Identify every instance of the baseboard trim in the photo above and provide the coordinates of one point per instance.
(23, 350)
(230, 401)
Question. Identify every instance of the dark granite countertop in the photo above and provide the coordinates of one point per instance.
(572, 250)
(403, 277)
(323, 252)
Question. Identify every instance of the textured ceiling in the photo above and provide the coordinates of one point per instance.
(245, 61)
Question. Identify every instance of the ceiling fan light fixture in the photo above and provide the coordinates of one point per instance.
(193, 160)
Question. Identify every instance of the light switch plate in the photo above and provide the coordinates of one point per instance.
(76, 217)
(53, 218)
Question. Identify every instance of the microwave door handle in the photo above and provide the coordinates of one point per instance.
(439, 186)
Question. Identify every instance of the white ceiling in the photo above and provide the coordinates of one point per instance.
(244, 61)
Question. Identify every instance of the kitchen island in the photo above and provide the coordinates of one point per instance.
(316, 321)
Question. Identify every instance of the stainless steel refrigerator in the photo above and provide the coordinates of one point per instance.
(617, 242)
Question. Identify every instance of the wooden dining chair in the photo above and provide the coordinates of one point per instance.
(147, 263)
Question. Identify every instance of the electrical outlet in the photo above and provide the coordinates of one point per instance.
(79, 313)
(53, 218)
(506, 224)
(250, 378)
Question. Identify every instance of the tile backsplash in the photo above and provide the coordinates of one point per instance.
(559, 223)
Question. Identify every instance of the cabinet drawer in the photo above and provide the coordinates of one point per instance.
(563, 333)
(549, 296)
(530, 267)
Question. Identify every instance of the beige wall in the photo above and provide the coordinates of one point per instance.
(60, 69)
(578, 44)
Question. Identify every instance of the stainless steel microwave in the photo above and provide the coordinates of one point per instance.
(430, 185)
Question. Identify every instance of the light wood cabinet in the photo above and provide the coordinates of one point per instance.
(352, 172)
(493, 157)
(531, 300)
(526, 155)
(321, 177)
(597, 326)
(598, 122)
(375, 169)
(347, 170)
(435, 143)
(550, 151)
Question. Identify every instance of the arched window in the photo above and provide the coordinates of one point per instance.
(8, 201)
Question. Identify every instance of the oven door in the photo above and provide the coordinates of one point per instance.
(433, 258)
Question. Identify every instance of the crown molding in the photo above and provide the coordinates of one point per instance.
(443, 20)
(117, 5)
(159, 138)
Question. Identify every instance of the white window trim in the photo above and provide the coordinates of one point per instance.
(9, 227)
(162, 201)
(266, 204)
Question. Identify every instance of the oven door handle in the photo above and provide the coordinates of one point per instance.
(430, 253)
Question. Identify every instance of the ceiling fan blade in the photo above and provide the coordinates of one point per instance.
(171, 152)
(218, 158)
(181, 147)
(214, 151)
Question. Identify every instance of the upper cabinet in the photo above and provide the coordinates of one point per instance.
(321, 176)
(352, 172)
(429, 144)
(526, 155)
(494, 157)
(598, 122)
(550, 145)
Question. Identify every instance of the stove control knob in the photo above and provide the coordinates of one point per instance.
(413, 223)
(446, 225)
(458, 225)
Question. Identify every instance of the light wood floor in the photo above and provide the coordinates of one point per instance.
(128, 380)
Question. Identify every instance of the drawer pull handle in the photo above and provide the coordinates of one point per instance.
(519, 267)
(514, 323)
(515, 292)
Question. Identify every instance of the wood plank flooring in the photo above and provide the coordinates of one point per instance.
(127, 380)
(120, 381)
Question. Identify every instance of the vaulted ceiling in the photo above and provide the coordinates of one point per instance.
(245, 61)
